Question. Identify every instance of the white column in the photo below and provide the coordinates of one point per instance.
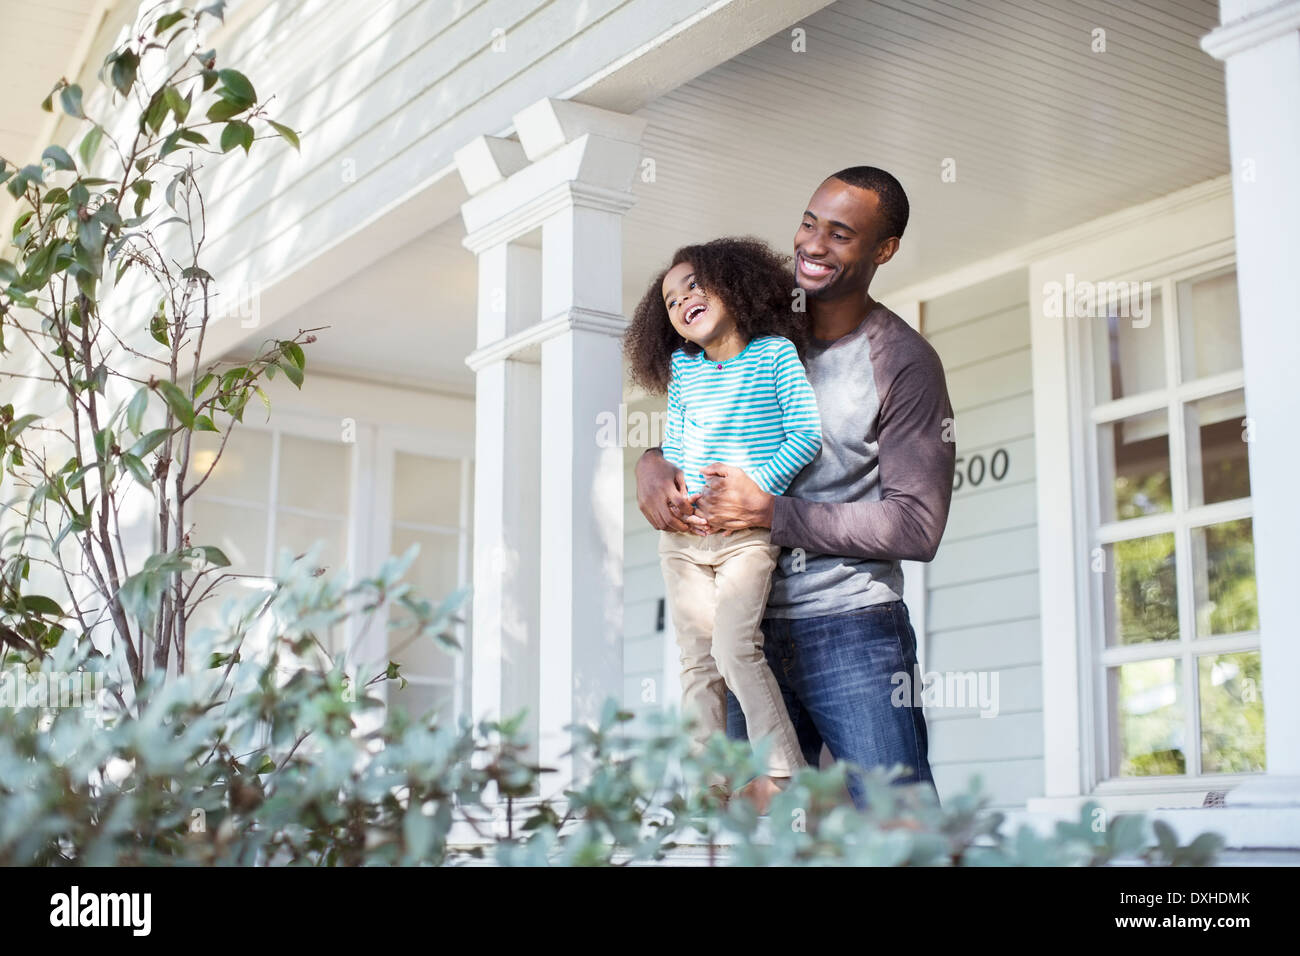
(552, 611)
(582, 484)
(503, 650)
(1259, 44)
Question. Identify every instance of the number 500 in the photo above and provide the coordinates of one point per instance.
(976, 470)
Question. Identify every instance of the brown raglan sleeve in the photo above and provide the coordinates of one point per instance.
(917, 458)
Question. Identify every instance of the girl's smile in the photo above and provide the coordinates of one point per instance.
(699, 318)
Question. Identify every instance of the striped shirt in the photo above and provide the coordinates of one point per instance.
(756, 411)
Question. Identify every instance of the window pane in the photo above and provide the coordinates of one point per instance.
(1232, 713)
(244, 469)
(1210, 325)
(426, 490)
(1217, 463)
(1146, 704)
(434, 576)
(298, 533)
(1223, 567)
(1134, 461)
(314, 474)
(1128, 348)
(240, 532)
(418, 700)
(1140, 591)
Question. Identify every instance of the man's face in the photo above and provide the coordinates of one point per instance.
(838, 245)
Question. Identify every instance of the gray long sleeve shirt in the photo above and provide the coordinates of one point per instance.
(879, 490)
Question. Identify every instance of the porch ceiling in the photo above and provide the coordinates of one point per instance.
(1045, 134)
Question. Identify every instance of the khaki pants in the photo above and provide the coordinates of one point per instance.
(717, 590)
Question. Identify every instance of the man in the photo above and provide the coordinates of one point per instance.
(836, 630)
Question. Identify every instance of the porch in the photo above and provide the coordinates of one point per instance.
(477, 321)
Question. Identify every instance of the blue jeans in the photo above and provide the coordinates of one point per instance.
(836, 674)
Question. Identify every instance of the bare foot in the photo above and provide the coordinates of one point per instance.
(760, 792)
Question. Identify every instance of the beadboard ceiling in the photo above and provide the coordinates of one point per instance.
(1044, 133)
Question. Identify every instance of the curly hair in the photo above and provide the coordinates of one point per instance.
(753, 281)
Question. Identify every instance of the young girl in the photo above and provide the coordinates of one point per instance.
(715, 331)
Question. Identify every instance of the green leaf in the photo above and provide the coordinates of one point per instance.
(204, 423)
(40, 604)
(90, 144)
(236, 133)
(70, 98)
(214, 556)
(293, 352)
(155, 112)
(142, 189)
(158, 326)
(178, 402)
(179, 105)
(292, 372)
(8, 271)
(137, 469)
(168, 20)
(289, 135)
(193, 136)
(20, 424)
(149, 441)
(222, 110)
(103, 442)
(59, 156)
(135, 411)
(124, 70)
(201, 386)
(235, 87)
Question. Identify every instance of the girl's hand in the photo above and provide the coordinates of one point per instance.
(661, 493)
(732, 501)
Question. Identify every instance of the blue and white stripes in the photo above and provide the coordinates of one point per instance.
(756, 411)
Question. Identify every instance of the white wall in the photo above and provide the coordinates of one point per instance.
(982, 587)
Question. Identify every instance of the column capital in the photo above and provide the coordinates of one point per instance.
(1252, 29)
(512, 223)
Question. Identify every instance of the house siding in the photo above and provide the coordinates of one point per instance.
(645, 681)
(982, 587)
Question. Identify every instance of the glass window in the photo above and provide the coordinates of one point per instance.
(430, 510)
(1232, 713)
(1141, 591)
(1223, 567)
(243, 470)
(1176, 591)
(1134, 460)
(1146, 699)
(1217, 465)
(1209, 325)
(233, 509)
(1128, 348)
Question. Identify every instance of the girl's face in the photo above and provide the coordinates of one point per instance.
(697, 316)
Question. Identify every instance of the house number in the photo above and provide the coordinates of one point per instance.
(977, 469)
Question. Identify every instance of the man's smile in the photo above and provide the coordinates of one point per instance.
(814, 270)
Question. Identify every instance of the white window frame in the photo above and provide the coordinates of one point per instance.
(1173, 400)
(1073, 717)
(295, 425)
(389, 441)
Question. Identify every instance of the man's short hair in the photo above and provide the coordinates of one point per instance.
(893, 201)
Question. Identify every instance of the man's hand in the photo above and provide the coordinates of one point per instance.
(661, 494)
(732, 501)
